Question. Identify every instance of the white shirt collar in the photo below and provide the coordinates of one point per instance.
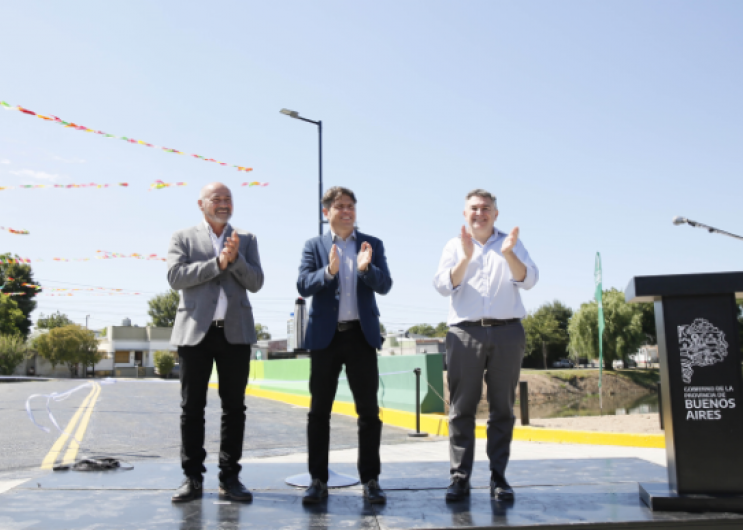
(211, 231)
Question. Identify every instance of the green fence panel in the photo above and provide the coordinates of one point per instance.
(396, 390)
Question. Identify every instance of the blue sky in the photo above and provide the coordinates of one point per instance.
(593, 122)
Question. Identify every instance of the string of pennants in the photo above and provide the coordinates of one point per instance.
(66, 291)
(71, 125)
(157, 185)
(70, 294)
(103, 255)
(14, 231)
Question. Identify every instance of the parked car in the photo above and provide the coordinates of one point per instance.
(619, 364)
(563, 363)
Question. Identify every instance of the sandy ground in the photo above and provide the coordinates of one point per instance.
(632, 423)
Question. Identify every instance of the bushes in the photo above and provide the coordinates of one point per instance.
(164, 362)
(13, 351)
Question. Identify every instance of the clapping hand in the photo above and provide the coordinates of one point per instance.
(365, 256)
(510, 241)
(230, 251)
(333, 260)
(468, 247)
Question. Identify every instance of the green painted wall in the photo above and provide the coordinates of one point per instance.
(395, 391)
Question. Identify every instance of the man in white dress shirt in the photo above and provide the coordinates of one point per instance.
(482, 271)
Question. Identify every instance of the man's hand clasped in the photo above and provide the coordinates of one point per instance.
(230, 251)
(334, 261)
(510, 241)
(362, 261)
(365, 256)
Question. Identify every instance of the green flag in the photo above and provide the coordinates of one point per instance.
(599, 299)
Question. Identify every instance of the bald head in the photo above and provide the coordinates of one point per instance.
(207, 190)
(215, 201)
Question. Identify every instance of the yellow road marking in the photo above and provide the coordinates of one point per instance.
(52, 455)
(74, 446)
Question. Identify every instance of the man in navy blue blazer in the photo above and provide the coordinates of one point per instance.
(341, 270)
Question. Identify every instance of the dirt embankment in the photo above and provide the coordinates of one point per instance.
(564, 384)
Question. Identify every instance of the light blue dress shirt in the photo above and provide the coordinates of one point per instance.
(488, 289)
(348, 308)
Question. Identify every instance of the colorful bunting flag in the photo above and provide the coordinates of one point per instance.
(65, 186)
(159, 184)
(13, 231)
(71, 125)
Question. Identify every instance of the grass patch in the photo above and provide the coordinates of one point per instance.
(646, 378)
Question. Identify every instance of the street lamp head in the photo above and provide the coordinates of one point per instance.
(290, 113)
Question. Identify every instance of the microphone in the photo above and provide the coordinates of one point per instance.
(679, 220)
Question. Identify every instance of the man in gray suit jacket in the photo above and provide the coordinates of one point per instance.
(212, 264)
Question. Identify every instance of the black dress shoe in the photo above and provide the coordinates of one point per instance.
(458, 490)
(233, 489)
(192, 488)
(501, 490)
(317, 491)
(374, 493)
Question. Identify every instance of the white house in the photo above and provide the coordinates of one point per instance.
(128, 346)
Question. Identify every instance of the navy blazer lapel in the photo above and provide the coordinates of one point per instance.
(327, 241)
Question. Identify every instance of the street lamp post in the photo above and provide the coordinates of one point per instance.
(294, 114)
(683, 220)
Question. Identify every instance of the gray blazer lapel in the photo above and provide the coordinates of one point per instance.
(204, 240)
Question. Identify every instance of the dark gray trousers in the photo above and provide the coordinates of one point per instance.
(475, 353)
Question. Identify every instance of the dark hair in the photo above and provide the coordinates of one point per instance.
(334, 193)
(479, 192)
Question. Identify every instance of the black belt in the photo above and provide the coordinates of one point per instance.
(217, 323)
(487, 322)
(349, 324)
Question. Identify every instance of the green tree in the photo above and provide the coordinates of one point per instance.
(164, 361)
(68, 345)
(11, 317)
(426, 330)
(382, 329)
(648, 323)
(55, 320)
(261, 332)
(541, 329)
(21, 273)
(13, 351)
(441, 329)
(163, 308)
(547, 334)
(623, 333)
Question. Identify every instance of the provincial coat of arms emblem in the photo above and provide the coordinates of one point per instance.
(701, 344)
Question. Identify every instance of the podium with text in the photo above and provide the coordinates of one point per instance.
(701, 384)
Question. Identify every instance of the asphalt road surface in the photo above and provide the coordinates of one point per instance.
(137, 421)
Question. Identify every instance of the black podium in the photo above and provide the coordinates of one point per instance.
(701, 383)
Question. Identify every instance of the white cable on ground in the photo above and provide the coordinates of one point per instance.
(57, 397)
